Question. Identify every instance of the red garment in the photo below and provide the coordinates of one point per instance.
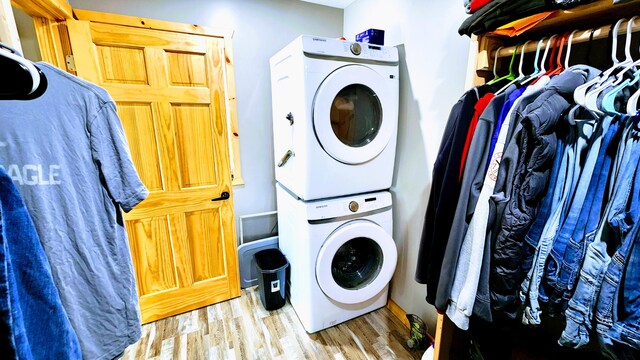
(478, 109)
(477, 5)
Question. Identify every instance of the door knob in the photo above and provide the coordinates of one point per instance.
(224, 196)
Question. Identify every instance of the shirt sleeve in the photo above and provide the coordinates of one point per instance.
(110, 151)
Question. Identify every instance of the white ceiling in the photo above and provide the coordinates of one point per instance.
(341, 4)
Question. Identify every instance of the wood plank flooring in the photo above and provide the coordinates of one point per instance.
(241, 329)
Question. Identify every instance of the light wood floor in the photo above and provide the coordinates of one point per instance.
(241, 329)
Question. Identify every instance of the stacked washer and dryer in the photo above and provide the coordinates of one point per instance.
(335, 119)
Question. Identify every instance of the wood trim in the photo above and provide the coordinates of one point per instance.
(49, 42)
(140, 22)
(596, 13)
(232, 115)
(444, 334)
(579, 37)
(50, 9)
(8, 29)
(398, 312)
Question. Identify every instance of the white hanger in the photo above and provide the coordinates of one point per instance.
(33, 71)
(566, 58)
(536, 71)
(591, 99)
(620, 76)
(580, 93)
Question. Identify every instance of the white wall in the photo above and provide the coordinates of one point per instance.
(432, 75)
(262, 27)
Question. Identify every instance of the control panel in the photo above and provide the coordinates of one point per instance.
(356, 204)
(341, 48)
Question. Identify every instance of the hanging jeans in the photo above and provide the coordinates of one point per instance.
(530, 287)
(567, 253)
(608, 311)
(582, 304)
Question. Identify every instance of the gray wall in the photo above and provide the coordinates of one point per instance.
(262, 27)
(432, 75)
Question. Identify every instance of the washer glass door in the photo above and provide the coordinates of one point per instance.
(349, 115)
(356, 262)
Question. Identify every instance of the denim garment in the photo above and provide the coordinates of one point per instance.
(533, 236)
(34, 325)
(531, 286)
(589, 216)
(624, 217)
(582, 304)
(538, 147)
(577, 217)
(626, 330)
(580, 131)
(608, 323)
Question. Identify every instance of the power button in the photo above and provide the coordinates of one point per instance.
(356, 49)
(353, 206)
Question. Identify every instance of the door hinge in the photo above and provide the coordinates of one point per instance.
(71, 63)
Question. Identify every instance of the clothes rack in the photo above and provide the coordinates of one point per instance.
(600, 13)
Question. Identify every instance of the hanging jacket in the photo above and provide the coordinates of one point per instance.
(533, 152)
(472, 181)
(445, 185)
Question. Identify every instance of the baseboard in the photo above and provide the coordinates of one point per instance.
(398, 312)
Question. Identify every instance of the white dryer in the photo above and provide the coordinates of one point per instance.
(335, 116)
(341, 252)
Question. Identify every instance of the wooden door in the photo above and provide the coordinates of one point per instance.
(170, 93)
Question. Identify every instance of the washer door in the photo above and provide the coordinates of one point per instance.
(356, 262)
(349, 114)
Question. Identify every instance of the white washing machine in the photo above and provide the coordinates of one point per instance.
(341, 252)
(335, 116)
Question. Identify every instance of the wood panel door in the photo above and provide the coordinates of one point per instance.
(170, 93)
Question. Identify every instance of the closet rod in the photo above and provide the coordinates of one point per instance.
(579, 37)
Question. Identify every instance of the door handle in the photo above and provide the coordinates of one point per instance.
(290, 118)
(224, 196)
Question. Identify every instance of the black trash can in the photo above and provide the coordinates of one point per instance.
(272, 278)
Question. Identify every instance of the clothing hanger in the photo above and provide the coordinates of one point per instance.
(495, 63)
(608, 102)
(580, 93)
(591, 98)
(628, 58)
(22, 80)
(536, 70)
(566, 58)
(511, 75)
(32, 72)
(520, 74)
(543, 71)
(559, 67)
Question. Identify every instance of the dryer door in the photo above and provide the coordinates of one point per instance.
(350, 114)
(356, 262)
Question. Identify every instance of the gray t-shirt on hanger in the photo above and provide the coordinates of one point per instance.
(67, 153)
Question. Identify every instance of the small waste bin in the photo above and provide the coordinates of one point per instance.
(272, 278)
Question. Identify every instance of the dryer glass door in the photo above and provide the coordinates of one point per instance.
(356, 262)
(351, 114)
